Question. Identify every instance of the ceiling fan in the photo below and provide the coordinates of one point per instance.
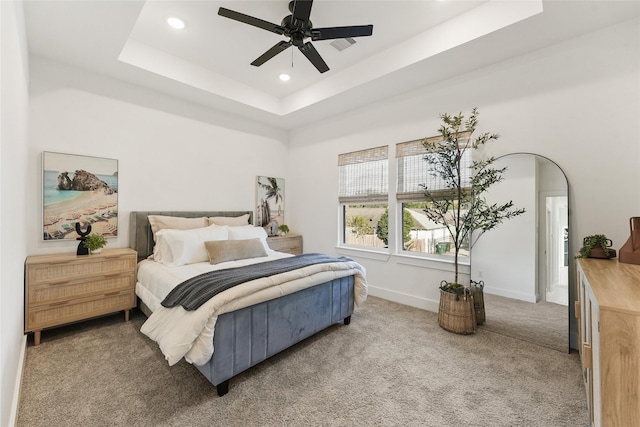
(298, 27)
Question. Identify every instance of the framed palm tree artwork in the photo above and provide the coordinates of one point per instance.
(269, 203)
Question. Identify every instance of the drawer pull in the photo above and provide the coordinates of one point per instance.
(59, 282)
(109, 294)
(59, 303)
(111, 274)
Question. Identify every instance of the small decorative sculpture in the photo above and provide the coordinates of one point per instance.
(82, 249)
(274, 228)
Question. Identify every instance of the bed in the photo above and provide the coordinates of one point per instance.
(244, 325)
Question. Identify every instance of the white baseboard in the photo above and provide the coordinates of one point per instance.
(15, 402)
(510, 294)
(410, 300)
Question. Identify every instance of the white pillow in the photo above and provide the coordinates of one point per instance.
(180, 247)
(229, 220)
(249, 232)
(161, 222)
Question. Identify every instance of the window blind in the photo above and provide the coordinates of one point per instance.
(414, 170)
(364, 176)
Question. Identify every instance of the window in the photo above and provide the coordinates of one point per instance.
(425, 236)
(414, 173)
(363, 196)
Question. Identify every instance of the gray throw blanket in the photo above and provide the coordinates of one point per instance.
(194, 292)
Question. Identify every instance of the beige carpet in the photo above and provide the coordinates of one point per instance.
(543, 323)
(393, 366)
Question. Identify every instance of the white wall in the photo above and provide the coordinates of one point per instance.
(166, 160)
(14, 83)
(576, 102)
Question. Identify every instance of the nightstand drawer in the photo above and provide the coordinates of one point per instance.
(71, 310)
(53, 272)
(66, 289)
(291, 243)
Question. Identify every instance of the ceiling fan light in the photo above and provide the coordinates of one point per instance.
(176, 23)
(284, 77)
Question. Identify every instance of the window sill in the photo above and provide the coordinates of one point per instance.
(363, 253)
(444, 264)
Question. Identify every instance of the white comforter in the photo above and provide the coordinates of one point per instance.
(189, 334)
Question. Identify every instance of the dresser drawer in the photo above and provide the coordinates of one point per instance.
(53, 272)
(71, 310)
(66, 289)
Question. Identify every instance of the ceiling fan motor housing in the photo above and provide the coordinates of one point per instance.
(297, 29)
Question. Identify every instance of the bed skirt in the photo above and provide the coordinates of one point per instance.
(246, 337)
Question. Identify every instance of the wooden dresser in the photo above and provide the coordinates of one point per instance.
(65, 288)
(608, 312)
(289, 243)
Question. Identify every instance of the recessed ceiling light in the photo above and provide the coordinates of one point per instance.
(176, 23)
(284, 77)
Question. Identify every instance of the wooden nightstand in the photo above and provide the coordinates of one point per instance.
(289, 243)
(65, 288)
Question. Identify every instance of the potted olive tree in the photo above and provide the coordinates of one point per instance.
(456, 200)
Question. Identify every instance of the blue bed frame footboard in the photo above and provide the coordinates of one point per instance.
(246, 337)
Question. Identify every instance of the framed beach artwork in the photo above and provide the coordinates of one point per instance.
(269, 203)
(79, 189)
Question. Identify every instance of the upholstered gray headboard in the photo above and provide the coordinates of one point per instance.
(141, 237)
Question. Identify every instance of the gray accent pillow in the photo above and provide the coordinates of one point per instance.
(233, 250)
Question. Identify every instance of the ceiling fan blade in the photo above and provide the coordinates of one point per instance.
(341, 32)
(302, 9)
(312, 55)
(280, 47)
(241, 17)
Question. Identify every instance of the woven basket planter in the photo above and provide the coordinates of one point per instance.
(457, 314)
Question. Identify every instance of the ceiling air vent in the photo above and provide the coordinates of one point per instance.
(342, 44)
